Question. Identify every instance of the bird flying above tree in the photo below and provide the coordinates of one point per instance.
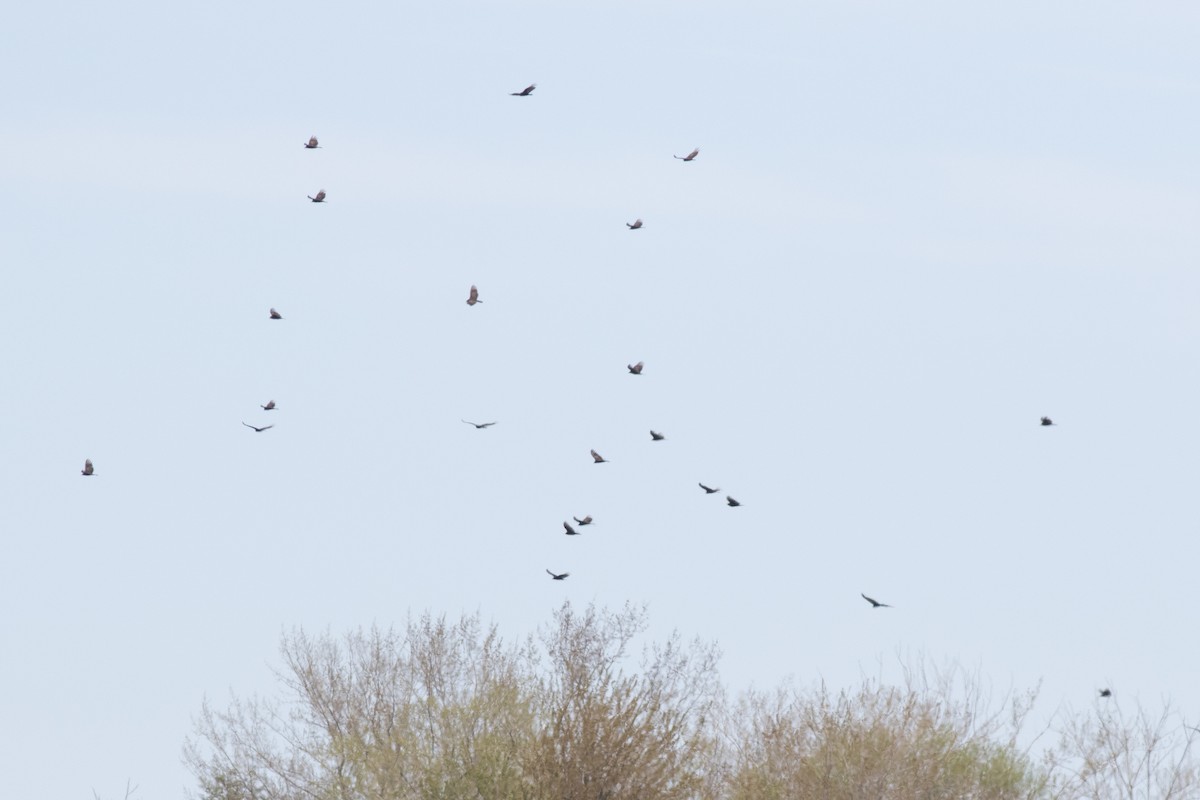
(87, 467)
(635, 369)
(474, 297)
(690, 156)
(558, 577)
(311, 144)
(633, 226)
(320, 197)
(598, 459)
(479, 425)
(874, 603)
(528, 90)
(257, 429)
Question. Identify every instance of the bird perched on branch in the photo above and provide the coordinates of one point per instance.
(311, 144)
(633, 226)
(320, 197)
(690, 156)
(87, 467)
(874, 603)
(528, 90)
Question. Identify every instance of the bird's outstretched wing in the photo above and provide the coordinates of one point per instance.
(597, 457)
(874, 603)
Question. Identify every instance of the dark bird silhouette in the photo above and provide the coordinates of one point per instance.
(635, 369)
(570, 531)
(256, 429)
(479, 425)
(474, 298)
(709, 489)
(690, 156)
(633, 226)
(270, 406)
(598, 459)
(563, 576)
(729, 501)
(311, 144)
(1106, 692)
(1047, 421)
(655, 436)
(275, 314)
(585, 521)
(320, 198)
(87, 468)
(874, 603)
(528, 90)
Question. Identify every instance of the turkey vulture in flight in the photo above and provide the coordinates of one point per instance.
(87, 467)
(635, 369)
(655, 436)
(729, 501)
(570, 531)
(874, 603)
(585, 521)
(270, 406)
(528, 90)
(690, 156)
(275, 314)
(479, 425)
(1106, 692)
(598, 459)
(709, 489)
(633, 226)
(256, 429)
(474, 298)
(320, 198)
(311, 144)
(1047, 421)
(563, 576)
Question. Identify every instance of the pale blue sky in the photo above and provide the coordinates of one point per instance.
(912, 230)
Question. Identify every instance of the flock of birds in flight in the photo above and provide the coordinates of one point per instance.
(634, 369)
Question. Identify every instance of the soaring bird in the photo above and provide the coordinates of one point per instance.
(275, 314)
(690, 156)
(311, 144)
(598, 459)
(479, 425)
(474, 298)
(528, 90)
(270, 406)
(563, 576)
(729, 501)
(709, 489)
(320, 198)
(633, 226)
(635, 369)
(256, 429)
(570, 531)
(87, 469)
(1106, 692)
(874, 603)
(655, 436)
(585, 521)
(1047, 421)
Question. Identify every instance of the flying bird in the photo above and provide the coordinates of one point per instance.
(874, 603)
(709, 489)
(690, 156)
(563, 576)
(598, 459)
(270, 406)
(1106, 692)
(311, 144)
(633, 226)
(320, 198)
(256, 429)
(87, 469)
(1047, 421)
(474, 298)
(275, 314)
(570, 531)
(655, 436)
(729, 501)
(528, 90)
(585, 521)
(635, 369)
(479, 425)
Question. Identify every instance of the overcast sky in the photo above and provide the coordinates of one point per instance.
(913, 229)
